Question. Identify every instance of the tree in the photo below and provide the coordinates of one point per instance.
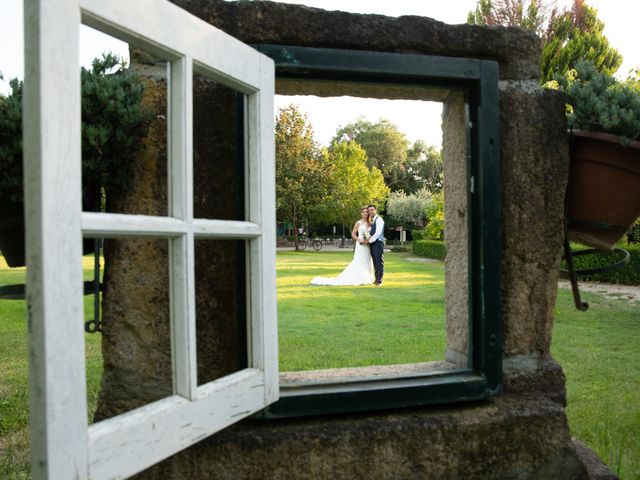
(409, 211)
(568, 36)
(353, 184)
(301, 171)
(531, 14)
(423, 168)
(385, 145)
(576, 35)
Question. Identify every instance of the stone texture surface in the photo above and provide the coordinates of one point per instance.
(511, 437)
(454, 148)
(535, 159)
(517, 51)
(136, 346)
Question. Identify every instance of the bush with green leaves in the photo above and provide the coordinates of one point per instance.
(435, 217)
(430, 249)
(114, 124)
(408, 211)
(599, 102)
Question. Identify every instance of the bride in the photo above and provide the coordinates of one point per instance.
(360, 270)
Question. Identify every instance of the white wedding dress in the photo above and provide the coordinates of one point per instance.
(359, 271)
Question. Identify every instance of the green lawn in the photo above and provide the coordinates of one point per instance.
(600, 352)
(330, 327)
(14, 414)
(323, 327)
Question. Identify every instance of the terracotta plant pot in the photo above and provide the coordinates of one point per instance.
(603, 195)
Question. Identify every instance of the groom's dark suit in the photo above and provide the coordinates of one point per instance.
(377, 249)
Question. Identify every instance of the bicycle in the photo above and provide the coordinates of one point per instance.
(302, 244)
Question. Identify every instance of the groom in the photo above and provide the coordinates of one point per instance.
(376, 243)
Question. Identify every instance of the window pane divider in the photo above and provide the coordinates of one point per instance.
(119, 225)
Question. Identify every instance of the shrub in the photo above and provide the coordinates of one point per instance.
(598, 102)
(408, 211)
(435, 214)
(633, 235)
(628, 275)
(418, 235)
(429, 249)
(114, 124)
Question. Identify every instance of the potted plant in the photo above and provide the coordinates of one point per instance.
(603, 195)
(114, 123)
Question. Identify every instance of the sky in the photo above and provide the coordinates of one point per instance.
(415, 119)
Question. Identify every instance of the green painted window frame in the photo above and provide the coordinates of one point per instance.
(479, 81)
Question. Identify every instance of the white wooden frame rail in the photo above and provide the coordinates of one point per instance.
(63, 445)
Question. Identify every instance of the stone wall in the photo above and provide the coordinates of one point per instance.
(521, 434)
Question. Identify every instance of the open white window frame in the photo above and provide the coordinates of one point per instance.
(63, 445)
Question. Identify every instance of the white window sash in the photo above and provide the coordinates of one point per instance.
(63, 445)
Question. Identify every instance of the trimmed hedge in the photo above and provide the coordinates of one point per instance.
(629, 275)
(429, 249)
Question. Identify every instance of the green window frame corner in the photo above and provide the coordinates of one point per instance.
(478, 79)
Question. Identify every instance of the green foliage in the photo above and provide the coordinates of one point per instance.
(114, 123)
(628, 275)
(598, 102)
(418, 235)
(385, 145)
(429, 249)
(352, 184)
(435, 217)
(633, 235)
(423, 169)
(576, 35)
(11, 143)
(568, 36)
(408, 211)
(302, 172)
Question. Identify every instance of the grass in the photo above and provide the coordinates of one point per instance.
(14, 395)
(332, 327)
(599, 352)
(322, 327)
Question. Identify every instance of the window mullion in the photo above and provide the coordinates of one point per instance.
(181, 252)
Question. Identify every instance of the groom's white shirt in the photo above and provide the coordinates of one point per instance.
(379, 229)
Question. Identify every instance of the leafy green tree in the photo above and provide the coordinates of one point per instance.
(302, 174)
(352, 184)
(385, 145)
(409, 211)
(423, 168)
(577, 35)
(568, 36)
